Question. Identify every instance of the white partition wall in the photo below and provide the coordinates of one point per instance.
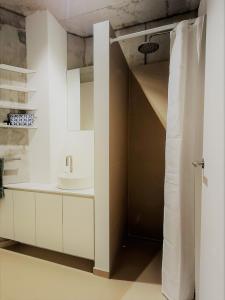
(101, 124)
(111, 76)
(47, 54)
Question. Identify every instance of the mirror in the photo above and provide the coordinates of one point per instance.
(80, 94)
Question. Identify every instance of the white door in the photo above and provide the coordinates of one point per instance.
(24, 217)
(212, 264)
(78, 226)
(49, 221)
(198, 204)
(6, 216)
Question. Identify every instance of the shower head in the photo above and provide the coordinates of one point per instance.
(148, 47)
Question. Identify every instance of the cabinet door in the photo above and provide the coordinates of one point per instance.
(49, 221)
(24, 217)
(78, 226)
(6, 216)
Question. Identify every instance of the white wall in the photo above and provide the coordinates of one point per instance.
(52, 141)
(37, 59)
(212, 262)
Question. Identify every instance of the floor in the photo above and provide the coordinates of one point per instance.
(137, 275)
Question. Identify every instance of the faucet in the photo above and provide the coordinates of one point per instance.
(69, 162)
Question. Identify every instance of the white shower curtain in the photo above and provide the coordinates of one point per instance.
(183, 146)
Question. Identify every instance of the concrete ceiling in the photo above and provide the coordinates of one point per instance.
(78, 16)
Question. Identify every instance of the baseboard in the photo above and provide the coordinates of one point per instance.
(101, 273)
(7, 243)
(143, 238)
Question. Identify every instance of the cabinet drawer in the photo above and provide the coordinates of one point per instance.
(6, 216)
(49, 221)
(78, 226)
(24, 217)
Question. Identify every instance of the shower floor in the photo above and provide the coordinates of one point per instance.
(133, 259)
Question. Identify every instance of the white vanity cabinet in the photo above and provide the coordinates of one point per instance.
(49, 221)
(78, 226)
(24, 217)
(56, 221)
(6, 216)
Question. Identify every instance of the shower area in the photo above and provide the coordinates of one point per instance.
(145, 113)
(147, 109)
(148, 148)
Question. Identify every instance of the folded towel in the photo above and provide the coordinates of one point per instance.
(1, 178)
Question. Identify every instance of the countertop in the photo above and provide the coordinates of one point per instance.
(49, 188)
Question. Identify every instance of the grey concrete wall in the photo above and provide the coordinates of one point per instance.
(13, 142)
(12, 39)
(80, 51)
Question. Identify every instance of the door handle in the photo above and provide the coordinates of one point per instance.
(199, 163)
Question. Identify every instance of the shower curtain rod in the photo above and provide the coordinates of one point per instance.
(161, 29)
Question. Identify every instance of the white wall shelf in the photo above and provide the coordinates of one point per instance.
(16, 106)
(20, 88)
(16, 69)
(6, 126)
(16, 88)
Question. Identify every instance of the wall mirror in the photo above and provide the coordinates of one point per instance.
(80, 94)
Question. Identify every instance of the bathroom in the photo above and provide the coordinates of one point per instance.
(87, 120)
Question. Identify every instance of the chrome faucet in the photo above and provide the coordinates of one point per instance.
(69, 162)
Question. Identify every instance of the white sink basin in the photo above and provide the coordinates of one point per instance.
(72, 182)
